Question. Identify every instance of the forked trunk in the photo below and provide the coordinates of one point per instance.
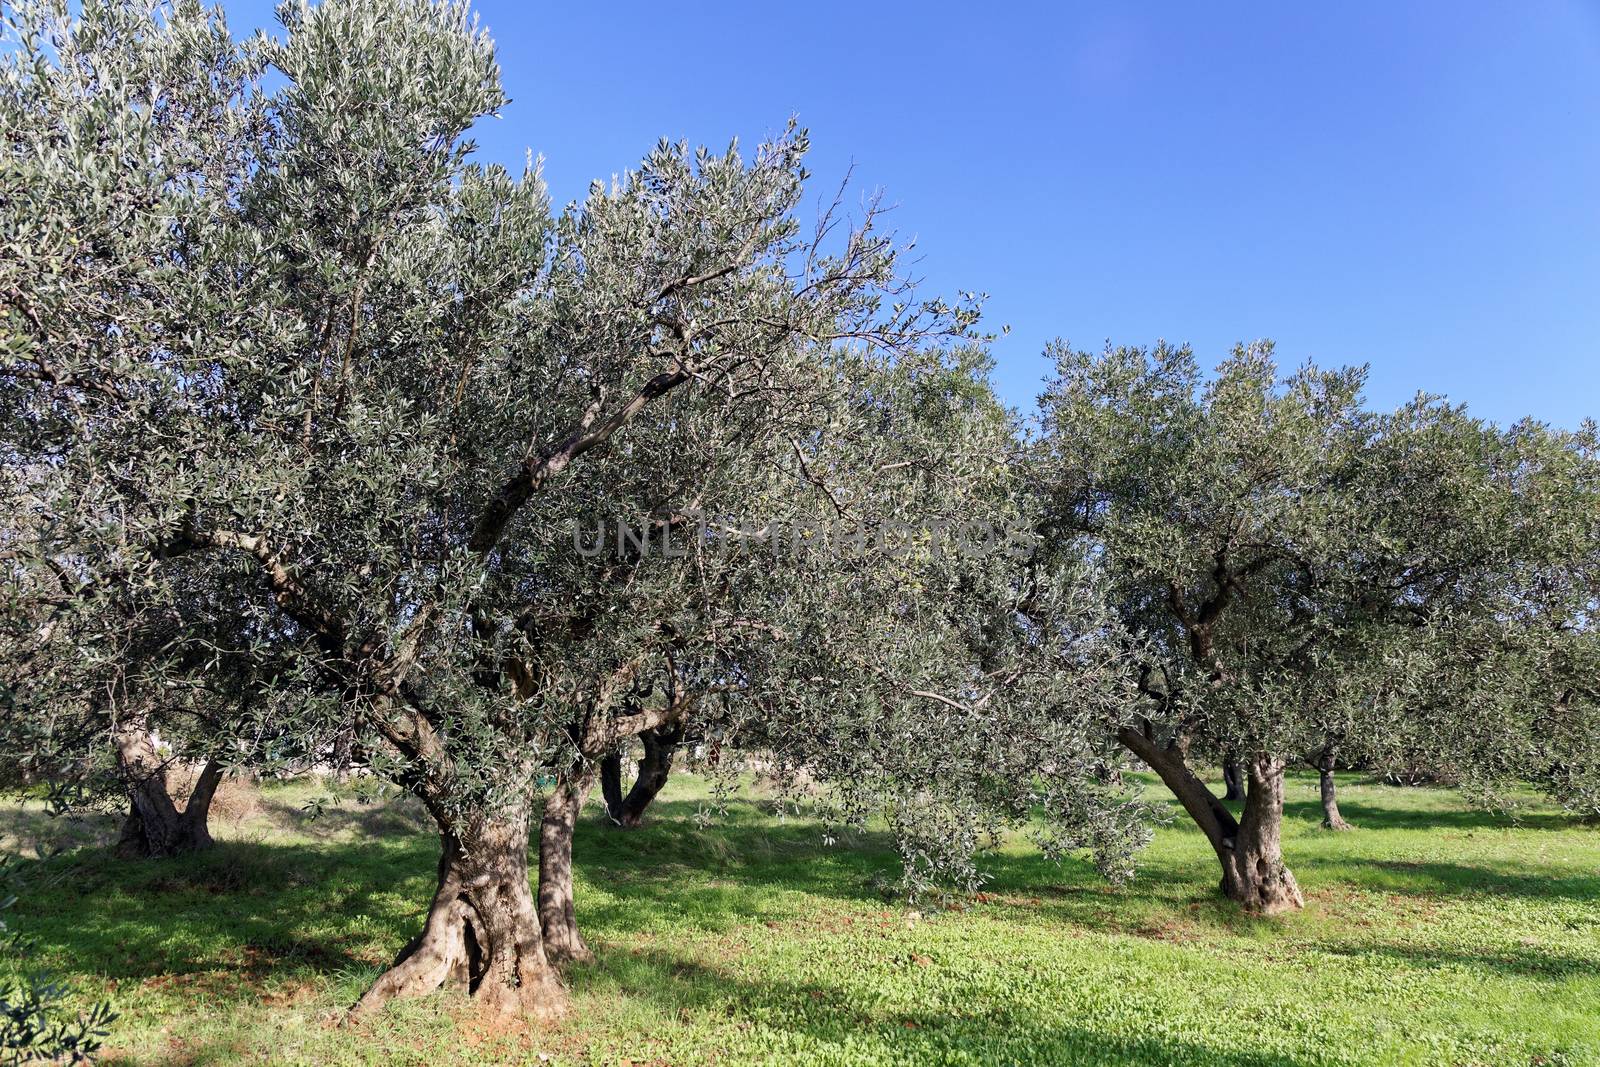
(557, 915)
(655, 767)
(155, 826)
(1331, 819)
(1248, 848)
(1253, 872)
(482, 932)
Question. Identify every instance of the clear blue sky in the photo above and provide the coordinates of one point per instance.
(1411, 185)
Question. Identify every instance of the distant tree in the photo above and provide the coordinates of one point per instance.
(98, 739)
(337, 412)
(1525, 658)
(626, 809)
(1290, 557)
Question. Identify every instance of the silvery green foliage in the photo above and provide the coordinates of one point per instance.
(305, 408)
(1307, 569)
(1505, 687)
(919, 688)
(124, 143)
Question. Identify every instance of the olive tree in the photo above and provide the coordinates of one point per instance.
(336, 411)
(77, 723)
(1525, 657)
(1288, 555)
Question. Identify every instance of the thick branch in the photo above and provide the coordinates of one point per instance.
(1214, 820)
(537, 470)
(288, 592)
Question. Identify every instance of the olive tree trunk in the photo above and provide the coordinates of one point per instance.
(482, 932)
(611, 794)
(557, 914)
(155, 826)
(655, 767)
(1253, 871)
(1232, 780)
(1331, 819)
(1248, 848)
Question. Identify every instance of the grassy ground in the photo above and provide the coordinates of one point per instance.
(1434, 934)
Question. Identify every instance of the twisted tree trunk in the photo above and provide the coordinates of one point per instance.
(1248, 848)
(1253, 871)
(482, 931)
(557, 914)
(155, 826)
(660, 746)
(1331, 819)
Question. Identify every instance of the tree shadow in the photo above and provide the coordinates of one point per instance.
(239, 910)
(1369, 816)
(1437, 878)
(32, 829)
(393, 816)
(825, 1016)
(723, 874)
(1517, 963)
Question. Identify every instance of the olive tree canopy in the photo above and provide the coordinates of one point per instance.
(327, 414)
(1302, 568)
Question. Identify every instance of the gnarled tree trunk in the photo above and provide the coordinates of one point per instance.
(1253, 871)
(155, 826)
(1331, 819)
(557, 915)
(1248, 848)
(482, 932)
(660, 745)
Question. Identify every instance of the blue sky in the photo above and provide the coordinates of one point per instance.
(1411, 185)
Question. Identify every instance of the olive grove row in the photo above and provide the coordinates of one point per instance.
(302, 407)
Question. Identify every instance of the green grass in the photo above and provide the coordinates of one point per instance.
(1434, 934)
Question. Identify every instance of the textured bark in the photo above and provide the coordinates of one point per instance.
(655, 767)
(1232, 780)
(1253, 872)
(155, 826)
(557, 915)
(1208, 813)
(482, 932)
(1331, 819)
(1248, 848)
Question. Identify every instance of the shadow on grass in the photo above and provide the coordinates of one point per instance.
(245, 909)
(1438, 878)
(1517, 963)
(721, 875)
(254, 909)
(33, 830)
(1369, 816)
(392, 817)
(826, 1016)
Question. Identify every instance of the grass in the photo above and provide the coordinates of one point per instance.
(1433, 934)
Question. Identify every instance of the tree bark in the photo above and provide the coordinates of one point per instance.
(660, 746)
(1253, 871)
(1232, 780)
(557, 914)
(611, 784)
(155, 826)
(482, 932)
(1331, 819)
(1248, 848)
